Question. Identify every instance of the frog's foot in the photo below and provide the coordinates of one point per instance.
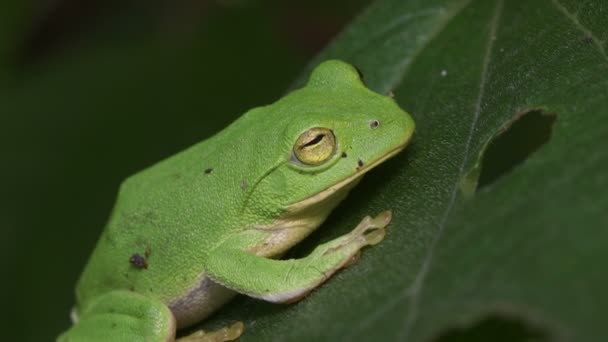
(345, 250)
(230, 333)
(370, 231)
(287, 281)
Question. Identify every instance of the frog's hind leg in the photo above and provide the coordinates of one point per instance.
(123, 316)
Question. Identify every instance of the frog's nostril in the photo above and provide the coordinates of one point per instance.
(374, 124)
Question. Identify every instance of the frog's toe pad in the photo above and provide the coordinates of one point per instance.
(229, 333)
(374, 237)
(372, 229)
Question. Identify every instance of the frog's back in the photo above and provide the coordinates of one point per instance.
(170, 215)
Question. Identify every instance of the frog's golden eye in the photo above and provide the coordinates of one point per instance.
(315, 146)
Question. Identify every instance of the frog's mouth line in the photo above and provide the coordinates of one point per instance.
(353, 179)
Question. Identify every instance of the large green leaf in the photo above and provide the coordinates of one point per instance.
(524, 256)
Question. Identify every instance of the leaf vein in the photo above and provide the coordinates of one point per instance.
(414, 291)
(572, 17)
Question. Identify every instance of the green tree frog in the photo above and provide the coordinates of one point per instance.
(193, 230)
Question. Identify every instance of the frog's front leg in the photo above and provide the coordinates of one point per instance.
(289, 280)
(123, 316)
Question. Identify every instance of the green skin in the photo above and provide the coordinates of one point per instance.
(190, 232)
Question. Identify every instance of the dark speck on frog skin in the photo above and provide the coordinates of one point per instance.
(344, 155)
(138, 261)
(359, 164)
(208, 171)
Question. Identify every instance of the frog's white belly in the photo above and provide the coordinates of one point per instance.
(202, 300)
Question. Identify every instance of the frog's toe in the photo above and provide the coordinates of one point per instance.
(374, 237)
(229, 333)
(371, 230)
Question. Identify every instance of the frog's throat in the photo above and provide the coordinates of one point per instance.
(344, 184)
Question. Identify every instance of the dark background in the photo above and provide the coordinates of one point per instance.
(93, 91)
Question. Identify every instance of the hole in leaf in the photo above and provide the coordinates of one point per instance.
(511, 146)
(497, 329)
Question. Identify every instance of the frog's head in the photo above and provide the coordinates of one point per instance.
(337, 130)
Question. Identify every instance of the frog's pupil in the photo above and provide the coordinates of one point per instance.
(315, 140)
